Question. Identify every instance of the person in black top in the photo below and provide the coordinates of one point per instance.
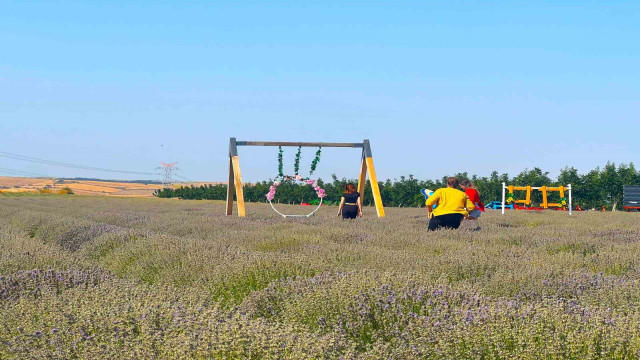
(350, 204)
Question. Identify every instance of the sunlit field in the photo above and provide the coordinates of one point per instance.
(96, 277)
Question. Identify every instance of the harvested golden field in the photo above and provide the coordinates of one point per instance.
(81, 187)
(21, 184)
(99, 277)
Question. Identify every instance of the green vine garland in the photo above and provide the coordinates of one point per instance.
(315, 161)
(280, 166)
(296, 165)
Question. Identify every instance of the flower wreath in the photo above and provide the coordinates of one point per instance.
(305, 180)
(319, 191)
(272, 189)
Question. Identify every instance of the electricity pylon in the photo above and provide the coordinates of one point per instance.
(167, 172)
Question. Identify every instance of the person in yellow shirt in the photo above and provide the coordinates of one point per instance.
(453, 206)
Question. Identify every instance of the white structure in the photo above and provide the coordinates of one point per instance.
(541, 188)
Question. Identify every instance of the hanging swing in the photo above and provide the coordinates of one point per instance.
(297, 178)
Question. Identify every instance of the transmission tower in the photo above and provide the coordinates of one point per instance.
(167, 171)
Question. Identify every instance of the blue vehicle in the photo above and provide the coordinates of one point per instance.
(497, 205)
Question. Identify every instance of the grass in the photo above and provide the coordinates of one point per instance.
(97, 277)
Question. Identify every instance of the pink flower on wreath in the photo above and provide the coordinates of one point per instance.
(272, 189)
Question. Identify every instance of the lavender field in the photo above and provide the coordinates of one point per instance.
(94, 277)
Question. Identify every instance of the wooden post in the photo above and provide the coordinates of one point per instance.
(230, 189)
(362, 178)
(375, 189)
(235, 180)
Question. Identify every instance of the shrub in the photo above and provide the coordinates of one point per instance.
(44, 190)
(65, 191)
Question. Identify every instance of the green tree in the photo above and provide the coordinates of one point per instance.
(611, 185)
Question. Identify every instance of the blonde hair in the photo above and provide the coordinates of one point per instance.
(469, 184)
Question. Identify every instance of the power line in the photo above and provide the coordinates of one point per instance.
(57, 163)
(22, 173)
(182, 177)
(25, 173)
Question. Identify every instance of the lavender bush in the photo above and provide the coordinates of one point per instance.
(90, 277)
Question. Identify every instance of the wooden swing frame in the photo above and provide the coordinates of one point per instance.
(234, 186)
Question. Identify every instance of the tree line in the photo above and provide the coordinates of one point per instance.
(596, 188)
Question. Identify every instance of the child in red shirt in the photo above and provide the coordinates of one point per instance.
(471, 191)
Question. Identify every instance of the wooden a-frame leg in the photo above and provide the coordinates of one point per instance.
(375, 189)
(237, 179)
(362, 180)
(230, 189)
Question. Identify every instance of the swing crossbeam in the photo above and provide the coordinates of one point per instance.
(234, 186)
(297, 144)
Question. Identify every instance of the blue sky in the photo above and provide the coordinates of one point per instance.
(438, 87)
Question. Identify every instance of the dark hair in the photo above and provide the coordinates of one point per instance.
(349, 188)
(452, 182)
